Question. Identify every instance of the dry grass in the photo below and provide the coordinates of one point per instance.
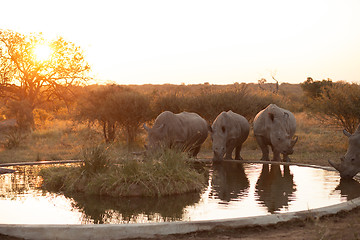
(61, 139)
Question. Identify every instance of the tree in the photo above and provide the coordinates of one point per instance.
(130, 110)
(115, 107)
(314, 89)
(27, 77)
(340, 104)
(95, 106)
(335, 102)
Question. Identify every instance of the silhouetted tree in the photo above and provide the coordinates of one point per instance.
(25, 78)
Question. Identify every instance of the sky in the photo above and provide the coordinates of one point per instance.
(191, 42)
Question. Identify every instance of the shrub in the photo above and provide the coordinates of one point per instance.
(113, 106)
(96, 159)
(130, 110)
(338, 103)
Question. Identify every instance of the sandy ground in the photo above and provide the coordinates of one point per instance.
(344, 225)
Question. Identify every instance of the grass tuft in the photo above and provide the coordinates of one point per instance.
(164, 173)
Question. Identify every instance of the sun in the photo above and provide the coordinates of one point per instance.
(42, 52)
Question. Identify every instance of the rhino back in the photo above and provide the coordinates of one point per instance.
(182, 127)
(237, 127)
(239, 124)
(263, 124)
(194, 126)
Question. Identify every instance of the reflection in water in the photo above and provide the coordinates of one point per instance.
(349, 188)
(100, 209)
(20, 182)
(235, 190)
(229, 181)
(275, 188)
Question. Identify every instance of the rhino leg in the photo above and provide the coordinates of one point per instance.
(230, 145)
(264, 148)
(195, 152)
(286, 158)
(276, 156)
(237, 152)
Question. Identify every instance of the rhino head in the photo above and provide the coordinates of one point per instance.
(218, 136)
(350, 163)
(155, 136)
(280, 138)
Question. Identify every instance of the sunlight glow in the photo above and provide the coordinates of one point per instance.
(42, 52)
(139, 42)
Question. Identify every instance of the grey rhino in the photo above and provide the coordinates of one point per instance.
(350, 163)
(184, 130)
(275, 127)
(228, 132)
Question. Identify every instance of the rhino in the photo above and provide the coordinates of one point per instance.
(350, 163)
(275, 127)
(228, 132)
(185, 130)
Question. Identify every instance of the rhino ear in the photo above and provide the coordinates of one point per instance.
(271, 116)
(161, 127)
(346, 133)
(286, 115)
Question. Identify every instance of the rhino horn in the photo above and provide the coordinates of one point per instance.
(346, 133)
(335, 165)
(294, 141)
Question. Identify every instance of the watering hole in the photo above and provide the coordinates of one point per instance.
(234, 190)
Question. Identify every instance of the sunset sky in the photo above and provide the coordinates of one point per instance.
(221, 42)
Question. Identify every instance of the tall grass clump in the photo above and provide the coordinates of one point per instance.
(96, 159)
(165, 172)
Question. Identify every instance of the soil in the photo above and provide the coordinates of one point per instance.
(344, 225)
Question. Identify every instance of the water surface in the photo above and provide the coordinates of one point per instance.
(233, 190)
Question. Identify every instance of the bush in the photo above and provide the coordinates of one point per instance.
(113, 106)
(338, 103)
(130, 110)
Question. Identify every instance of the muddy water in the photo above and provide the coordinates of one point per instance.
(233, 190)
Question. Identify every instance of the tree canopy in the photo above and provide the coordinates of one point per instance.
(25, 76)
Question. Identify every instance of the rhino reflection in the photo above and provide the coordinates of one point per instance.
(229, 181)
(100, 209)
(275, 187)
(349, 188)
